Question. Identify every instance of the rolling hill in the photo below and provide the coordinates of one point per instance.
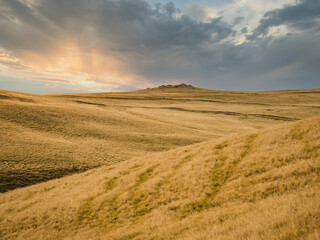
(45, 137)
(264, 184)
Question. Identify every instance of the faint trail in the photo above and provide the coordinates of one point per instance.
(90, 103)
(189, 100)
(148, 117)
(228, 113)
(273, 117)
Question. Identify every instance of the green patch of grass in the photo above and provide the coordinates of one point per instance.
(248, 146)
(297, 133)
(125, 172)
(183, 161)
(141, 203)
(311, 150)
(219, 176)
(136, 166)
(85, 213)
(110, 184)
(140, 199)
(130, 236)
(198, 206)
(27, 206)
(113, 210)
(47, 189)
(222, 145)
(143, 177)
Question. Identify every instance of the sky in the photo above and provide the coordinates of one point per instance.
(72, 46)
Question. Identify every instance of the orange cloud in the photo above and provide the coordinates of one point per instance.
(69, 62)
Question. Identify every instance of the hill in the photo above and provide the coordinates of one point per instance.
(264, 184)
(49, 136)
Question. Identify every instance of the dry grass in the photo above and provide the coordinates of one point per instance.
(261, 185)
(46, 137)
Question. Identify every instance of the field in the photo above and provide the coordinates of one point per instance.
(47, 137)
(166, 163)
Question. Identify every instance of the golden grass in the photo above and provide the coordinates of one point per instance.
(260, 185)
(46, 137)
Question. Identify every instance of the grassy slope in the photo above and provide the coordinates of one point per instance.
(43, 138)
(261, 185)
(46, 137)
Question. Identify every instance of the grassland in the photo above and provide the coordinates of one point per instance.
(263, 184)
(46, 137)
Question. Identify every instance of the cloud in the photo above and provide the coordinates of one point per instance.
(304, 14)
(53, 80)
(138, 44)
(100, 37)
(23, 29)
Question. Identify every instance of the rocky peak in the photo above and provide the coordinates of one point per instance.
(182, 85)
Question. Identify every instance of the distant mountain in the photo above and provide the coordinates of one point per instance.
(182, 85)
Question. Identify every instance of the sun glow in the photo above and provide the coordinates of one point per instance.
(69, 64)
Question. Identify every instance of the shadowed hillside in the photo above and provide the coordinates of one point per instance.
(261, 185)
(46, 137)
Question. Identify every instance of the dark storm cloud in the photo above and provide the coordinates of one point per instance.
(305, 14)
(244, 30)
(134, 24)
(238, 20)
(137, 25)
(267, 63)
